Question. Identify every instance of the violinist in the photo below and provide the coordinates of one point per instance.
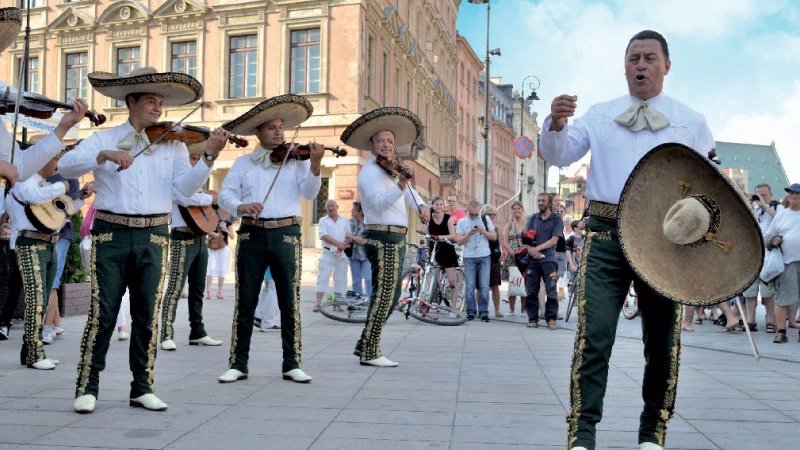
(188, 261)
(384, 191)
(266, 194)
(130, 234)
(37, 156)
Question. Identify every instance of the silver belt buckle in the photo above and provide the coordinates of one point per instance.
(136, 222)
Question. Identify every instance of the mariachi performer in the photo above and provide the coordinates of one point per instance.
(188, 260)
(265, 192)
(384, 189)
(134, 182)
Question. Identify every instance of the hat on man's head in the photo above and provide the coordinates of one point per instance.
(404, 124)
(793, 188)
(292, 109)
(175, 88)
(10, 24)
(686, 230)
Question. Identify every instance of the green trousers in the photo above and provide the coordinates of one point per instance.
(37, 262)
(605, 277)
(385, 251)
(122, 257)
(280, 250)
(188, 260)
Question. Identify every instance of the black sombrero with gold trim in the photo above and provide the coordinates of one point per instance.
(175, 88)
(404, 124)
(292, 109)
(10, 24)
(686, 229)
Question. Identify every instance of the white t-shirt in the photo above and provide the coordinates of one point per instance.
(786, 223)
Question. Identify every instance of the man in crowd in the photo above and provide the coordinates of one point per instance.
(475, 236)
(784, 233)
(454, 209)
(542, 264)
(333, 230)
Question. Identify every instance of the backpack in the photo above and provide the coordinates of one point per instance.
(494, 246)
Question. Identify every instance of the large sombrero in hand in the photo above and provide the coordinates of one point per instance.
(175, 88)
(686, 230)
(10, 24)
(292, 109)
(405, 125)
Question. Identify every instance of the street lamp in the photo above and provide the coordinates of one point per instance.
(489, 53)
(534, 85)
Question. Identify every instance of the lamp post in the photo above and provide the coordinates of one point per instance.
(530, 98)
(489, 53)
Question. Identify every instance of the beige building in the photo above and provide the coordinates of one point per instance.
(346, 56)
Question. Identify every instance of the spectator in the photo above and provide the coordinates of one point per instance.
(784, 233)
(441, 226)
(495, 266)
(267, 314)
(10, 292)
(561, 257)
(474, 236)
(511, 242)
(360, 268)
(333, 232)
(542, 265)
(219, 258)
(453, 208)
(574, 248)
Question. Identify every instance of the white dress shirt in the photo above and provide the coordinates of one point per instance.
(382, 199)
(29, 191)
(198, 199)
(145, 187)
(615, 148)
(337, 230)
(248, 182)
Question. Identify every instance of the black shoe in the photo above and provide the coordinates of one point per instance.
(780, 338)
(470, 317)
(484, 318)
(4, 331)
(257, 322)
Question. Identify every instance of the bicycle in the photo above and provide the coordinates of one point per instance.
(422, 297)
(346, 309)
(630, 308)
(572, 292)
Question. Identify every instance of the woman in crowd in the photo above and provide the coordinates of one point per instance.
(360, 268)
(510, 240)
(219, 258)
(442, 226)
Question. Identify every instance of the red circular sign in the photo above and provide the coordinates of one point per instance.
(523, 147)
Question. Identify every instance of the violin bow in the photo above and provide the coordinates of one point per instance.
(285, 157)
(412, 190)
(22, 80)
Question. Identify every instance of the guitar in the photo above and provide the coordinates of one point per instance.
(49, 217)
(202, 219)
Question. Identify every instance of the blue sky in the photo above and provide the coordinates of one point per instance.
(736, 61)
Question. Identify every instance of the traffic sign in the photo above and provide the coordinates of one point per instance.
(523, 147)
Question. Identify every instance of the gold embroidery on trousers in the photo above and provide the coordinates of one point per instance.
(297, 345)
(388, 268)
(177, 263)
(235, 325)
(93, 321)
(668, 409)
(163, 243)
(33, 286)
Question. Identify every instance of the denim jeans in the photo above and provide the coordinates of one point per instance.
(361, 270)
(546, 271)
(477, 270)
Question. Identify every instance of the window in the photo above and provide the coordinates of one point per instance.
(306, 61)
(385, 80)
(23, 4)
(184, 58)
(408, 95)
(127, 62)
(242, 66)
(397, 88)
(32, 77)
(76, 75)
(370, 65)
(320, 200)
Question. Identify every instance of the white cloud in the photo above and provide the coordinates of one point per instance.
(777, 47)
(707, 18)
(781, 126)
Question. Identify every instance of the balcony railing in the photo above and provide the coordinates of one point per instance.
(449, 170)
(411, 152)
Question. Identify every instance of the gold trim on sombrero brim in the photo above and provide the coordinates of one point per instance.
(175, 88)
(10, 24)
(404, 124)
(694, 275)
(292, 109)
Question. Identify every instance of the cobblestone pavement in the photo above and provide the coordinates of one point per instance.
(495, 385)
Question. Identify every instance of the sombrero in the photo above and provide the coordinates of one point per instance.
(405, 125)
(292, 109)
(10, 24)
(686, 229)
(175, 88)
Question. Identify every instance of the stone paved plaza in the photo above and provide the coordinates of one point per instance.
(477, 386)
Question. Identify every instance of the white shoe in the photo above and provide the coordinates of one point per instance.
(650, 446)
(272, 328)
(59, 331)
(149, 401)
(511, 314)
(84, 404)
(123, 335)
(168, 345)
(205, 340)
(380, 362)
(232, 375)
(579, 448)
(47, 334)
(44, 364)
(297, 375)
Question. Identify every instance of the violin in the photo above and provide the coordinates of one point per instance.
(41, 107)
(393, 167)
(188, 134)
(299, 152)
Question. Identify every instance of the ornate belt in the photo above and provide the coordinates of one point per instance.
(600, 209)
(183, 229)
(389, 228)
(51, 238)
(272, 223)
(133, 221)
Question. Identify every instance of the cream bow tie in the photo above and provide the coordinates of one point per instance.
(261, 157)
(134, 142)
(641, 115)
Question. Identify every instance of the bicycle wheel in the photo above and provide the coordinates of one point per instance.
(430, 286)
(630, 309)
(461, 290)
(410, 283)
(350, 310)
(573, 299)
(437, 314)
